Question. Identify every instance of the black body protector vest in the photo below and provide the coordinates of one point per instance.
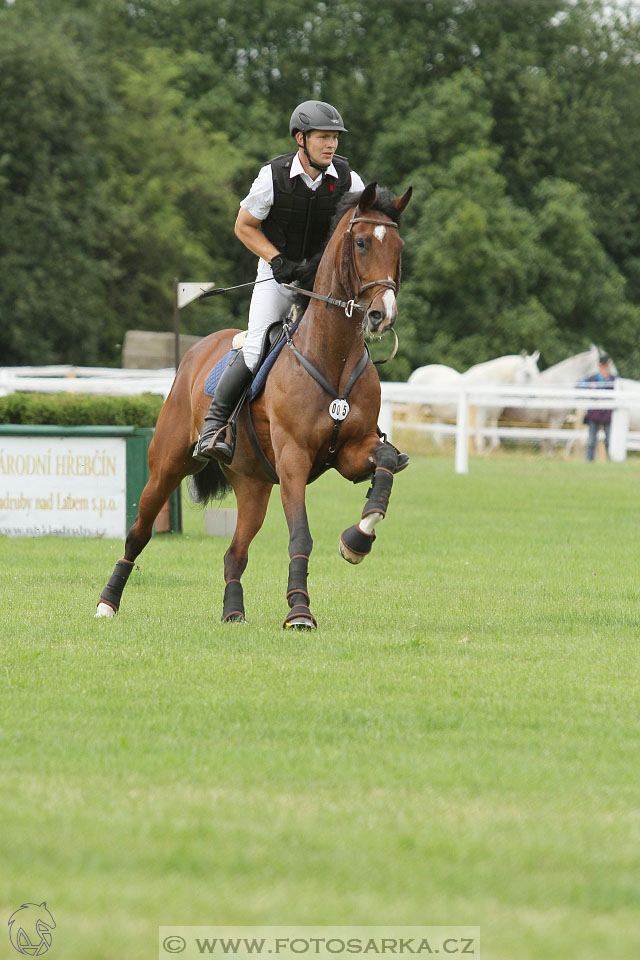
(299, 219)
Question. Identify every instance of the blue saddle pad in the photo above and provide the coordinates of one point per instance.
(213, 379)
(260, 378)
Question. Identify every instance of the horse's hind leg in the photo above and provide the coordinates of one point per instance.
(252, 497)
(356, 541)
(155, 494)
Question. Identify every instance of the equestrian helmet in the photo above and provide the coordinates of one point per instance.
(315, 115)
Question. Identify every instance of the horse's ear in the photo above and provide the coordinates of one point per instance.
(535, 356)
(400, 203)
(368, 197)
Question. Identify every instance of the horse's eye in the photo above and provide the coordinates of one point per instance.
(360, 244)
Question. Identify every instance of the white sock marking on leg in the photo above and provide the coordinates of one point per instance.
(368, 523)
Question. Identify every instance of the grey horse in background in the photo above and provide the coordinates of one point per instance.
(567, 373)
(519, 369)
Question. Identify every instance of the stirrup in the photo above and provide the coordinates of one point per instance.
(218, 448)
(213, 447)
(221, 450)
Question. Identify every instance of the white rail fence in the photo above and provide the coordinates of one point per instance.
(120, 382)
(105, 380)
(619, 401)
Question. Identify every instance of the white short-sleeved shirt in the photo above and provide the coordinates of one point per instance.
(259, 200)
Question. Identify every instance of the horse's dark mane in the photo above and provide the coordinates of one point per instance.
(383, 203)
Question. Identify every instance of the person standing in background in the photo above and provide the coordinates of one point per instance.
(595, 419)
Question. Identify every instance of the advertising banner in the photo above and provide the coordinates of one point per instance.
(63, 486)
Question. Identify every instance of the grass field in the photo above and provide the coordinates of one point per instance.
(456, 744)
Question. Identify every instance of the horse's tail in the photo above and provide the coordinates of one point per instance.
(209, 484)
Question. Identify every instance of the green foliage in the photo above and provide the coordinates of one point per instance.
(52, 258)
(578, 282)
(171, 189)
(129, 133)
(76, 409)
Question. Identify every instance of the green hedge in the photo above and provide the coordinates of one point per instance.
(77, 409)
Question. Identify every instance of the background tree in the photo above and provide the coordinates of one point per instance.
(130, 131)
(52, 256)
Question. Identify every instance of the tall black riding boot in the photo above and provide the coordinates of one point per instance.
(211, 443)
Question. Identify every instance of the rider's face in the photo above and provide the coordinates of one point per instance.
(321, 144)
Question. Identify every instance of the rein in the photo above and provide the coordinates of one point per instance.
(347, 305)
(339, 407)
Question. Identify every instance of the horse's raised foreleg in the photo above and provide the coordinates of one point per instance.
(356, 541)
(293, 480)
(252, 497)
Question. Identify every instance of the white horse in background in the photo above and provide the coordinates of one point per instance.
(520, 369)
(567, 373)
(435, 375)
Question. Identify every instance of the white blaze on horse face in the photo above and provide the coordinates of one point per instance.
(389, 300)
(379, 233)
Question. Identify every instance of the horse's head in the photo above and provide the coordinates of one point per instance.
(527, 370)
(369, 264)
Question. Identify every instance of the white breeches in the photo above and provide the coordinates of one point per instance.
(270, 302)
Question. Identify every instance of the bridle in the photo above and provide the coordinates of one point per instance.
(348, 264)
(349, 259)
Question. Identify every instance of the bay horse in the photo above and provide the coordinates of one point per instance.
(288, 434)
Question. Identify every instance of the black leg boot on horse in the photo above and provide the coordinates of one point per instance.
(356, 541)
(211, 444)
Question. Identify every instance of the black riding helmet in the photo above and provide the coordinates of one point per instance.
(315, 115)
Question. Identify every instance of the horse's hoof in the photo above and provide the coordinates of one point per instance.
(348, 554)
(355, 545)
(104, 610)
(235, 618)
(300, 618)
(300, 623)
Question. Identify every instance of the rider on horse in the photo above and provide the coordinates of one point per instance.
(284, 220)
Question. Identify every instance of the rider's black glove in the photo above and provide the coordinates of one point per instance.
(284, 271)
(306, 272)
